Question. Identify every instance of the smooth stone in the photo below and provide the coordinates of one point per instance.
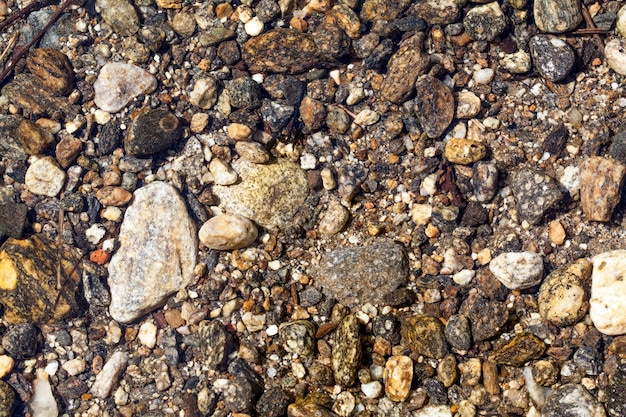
(120, 15)
(53, 68)
(601, 181)
(113, 196)
(6, 365)
(607, 306)
(485, 181)
(346, 353)
(398, 375)
(464, 151)
(620, 23)
(157, 254)
(222, 173)
(434, 105)
(74, 366)
(518, 62)
(147, 334)
(552, 56)
(425, 336)
(458, 333)
(557, 16)
(45, 177)
(119, 83)
(433, 411)
(615, 54)
(269, 194)
(535, 193)
(563, 294)
(109, 375)
(372, 389)
(43, 403)
(572, 400)
(334, 219)
(227, 232)
(517, 270)
(67, 150)
(152, 131)
(486, 22)
(21, 137)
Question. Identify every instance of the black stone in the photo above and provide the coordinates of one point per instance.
(21, 341)
(273, 403)
(152, 131)
(244, 93)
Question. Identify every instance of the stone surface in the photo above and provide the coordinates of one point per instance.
(403, 68)
(110, 374)
(227, 232)
(157, 253)
(458, 333)
(45, 177)
(468, 105)
(298, 337)
(601, 181)
(28, 284)
(281, 50)
(113, 196)
(425, 336)
(67, 150)
(28, 92)
(269, 194)
(204, 92)
(438, 12)
(517, 270)
(522, 348)
(43, 403)
(253, 151)
(486, 316)
(120, 15)
(535, 193)
(335, 218)
(552, 56)
(486, 22)
(346, 353)
(572, 400)
(362, 274)
(398, 376)
(152, 131)
(386, 10)
(607, 306)
(13, 219)
(557, 16)
(53, 68)
(21, 341)
(222, 173)
(615, 53)
(485, 181)
(518, 62)
(616, 393)
(214, 342)
(7, 400)
(464, 151)
(119, 83)
(273, 403)
(20, 138)
(434, 105)
(563, 294)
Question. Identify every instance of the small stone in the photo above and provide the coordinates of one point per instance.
(468, 105)
(433, 411)
(53, 68)
(535, 193)
(21, 341)
(119, 83)
(313, 113)
(398, 376)
(522, 348)
(517, 270)
(425, 336)
(438, 12)
(518, 62)
(169, 4)
(490, 377)
(244, 93)
(238, 131)
(484, 76)
(109, 375)
(563, 294)
(366, 117)
(403, 68)
(346, 353)
(372, 389)
(222, 173)
(615, 54)
(184, 24)
(486, 316)
(464, 151)
(557, 16)
(120, 15)
(254, 27)
(334, 219)
(147, 334)
(601, 181)
(204, 92)
(20, 138)
(152, 131)
(13, 219)
(67, 150)
(298, 337)
(281, 50)
(552, 56)
(273, 403)
(545, 372)
(43, 403)
(253, 152)
(344, 404)
(434, 105)
(347, 20)
(457, 332)
(6, 365)
(606, 305)
(485, 23)
(616, 393)
(74, 366)
(199, 121)
(556, 232)
(45, 177)
(214, 342)
(447, 370)
(7, 400)
(572, 400)
(113, 196)
(26, 91)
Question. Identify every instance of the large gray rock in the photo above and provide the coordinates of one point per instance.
(572, 400)
(157, 253)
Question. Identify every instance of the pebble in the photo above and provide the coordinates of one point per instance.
(20, 138)
(21, 341)
(572, 400)
(147, 334)
(67, 150)
(113, 196)
(522, 348)
(184, 24)
(281, 50)
(313, 113)
(402, 71)
(109, 375)
(298, 337)
(375, 10)
(13, 219)
(346, 353)
(199, 121)
(45, 177)
(253, 152)
(398, 376)
(366, 117)
(222, 173)
(601, 181)
(486, 316)
(6, 365)
(438, 12)
(120, 15)
(7, 399)
(464, 151)
(433, 411)
(273, 403)
(615, 54)
(485, 181)
(468, 105)
(518, 62)
(269, 194)
(616, 393)
(563, 295)
(334, 219)
(74, 366)
(239, 132)
(373, 389)
(152, 131)
(139, 278)
(486, 22)
(536, 194)
(434, 105)
(517, 270)
(556, 232)
(204, 92)
(552, 56)
(26, 91)
(470, 370)
(341, 272)
(43, 403)
(344, 404)
(254, 27)
(606, 305)
(457, 332)
(53, 68)
(425, 336)
(557, 16)
(119, 83)
(484, 75)
(447, 370)
(227, 232)
(244, 93)
(214, 341)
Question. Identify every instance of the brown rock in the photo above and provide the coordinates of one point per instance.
(67, 150)
(347, 20)
(53, 68)
(557, 16)
(522, 348)
(601, 181)
(382, 9)
(490, 378)
(113, 196)
(425, 336)
(313, 113)
(281, 50)
(346, 354)
(402, 71)
(398, 376)
(169, 4)
(20, 138)
(28, 92)
(556, 232)
(464, 151)
(434, 105)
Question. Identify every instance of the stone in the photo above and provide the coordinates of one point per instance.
(616, 393)
(486, 22)
(518, 62)
(564, 292)
(273, 403)
(28, 284)
(615, 54)
(254, 152)
(485, 181)
(53, 68)
(398, 376)
(13, 219)
(434, 105)
(109, 375)
(184, 24)
(557, 16)
(372, 389)
(147, 334)
(312, 113)
(346, 353)
(556, 232)
(607, 307)
(572, 400)
(227, 232)
(458, 333)
(438, 12)
(244, 93)
(464, 151)
(382, 10)
(347, 20)
(20, 138)
(204, 92)
(334, 219)
(486, 316)
(517, 270)
(281, 50)
(601, 181)
(110, 195)
(468, 105)
(535, 193)
(28, 92)
(43, 403)
(447, 370)
(425, 336)
(433, 411)
(45, 177)
(118, 83)
(7, 400)
(341, 272)
(222, 173)
(157, 253)
(298, 337)
(522, 348)
(268, 194)
(554, 59)
(6, 365)
(403, 68)
(72, 387)
(545, 372)
(21, 341)
(74, 366)
(152, 131)
(67, 150)
(120, 15)
(239, 132)
(214, 342)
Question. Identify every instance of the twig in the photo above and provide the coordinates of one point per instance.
(591, 25)
(20, 13)
(60, 248)
(9, 46)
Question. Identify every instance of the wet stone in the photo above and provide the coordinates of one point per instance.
(517, 270)
(457, 332)
(402, 71)
(557, 16)
(607, 307)
(486, 22)
(486, 316)
(425, 336)
(273, 403)
(53, 68)
(601, 181)
(522, 348)
(553, 57)
(340, 274)
(21, 341)
(298, 337)
(398, 375)
(438, 12)
(119, 83)
(437, 394)
(588, 359)
(152, 131)
(281, 50)
(535, 193)
(434, 105)
(346, 353)
(28, 92)
(120, 14)
(572, 400)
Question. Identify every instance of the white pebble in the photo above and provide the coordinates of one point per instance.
(110, 374)
(372, 389)
(102, 117)
(484, 75)
(95, 233)
(45, 177)
(42, 402)
(308, 161)
(74, 366)
(222, 173)
(615, 53)
(254, 27)
(517, 270)
(147, 334)
(272, 330)
(464, 276)
(366, 117)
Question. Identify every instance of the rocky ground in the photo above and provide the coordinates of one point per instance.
(353, 208)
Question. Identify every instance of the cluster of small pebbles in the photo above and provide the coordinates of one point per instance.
(314, 208)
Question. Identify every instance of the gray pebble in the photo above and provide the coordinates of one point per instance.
(485, 23)
(298, 337)
(572, 400)
(152, 131)
(458, 333)
(552, 56)
(21, 341)
(557, 16)
(536, 193)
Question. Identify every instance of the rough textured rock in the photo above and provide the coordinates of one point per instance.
(438, 12)
(425, 336)
(363, 274)
(227, 232)
(157, 253)
(564, 293)
(522, 348)
(20, 138)
(398, 376)
(119, 83)
(403, 68)
(152, 131)
(298, 337)
(601, 181)
(434, 105)
(486, 316)
(557, 16)
(281, 50)
(535, 193)
(120, 14)
(486, 22)
(382, 10)
(464, 151)
(346, 354)
(572, 400)
(607, 306)
(53, 68)
(553, 57)
(616, 393)
(45, 177)
(518, 270)
(13, 219)
(28, 92)
(7, 399)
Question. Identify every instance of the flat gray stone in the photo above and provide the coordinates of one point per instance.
(157, 254)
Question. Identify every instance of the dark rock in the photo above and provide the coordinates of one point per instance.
(134, 165)
(572, 400)
(399, 298)
(535, 193)
(240, 368)
(485, 22)
(403, 68)
(387, 327)
(555, 141)
(72, 202)
(285, 87)
(27, 92)
(110, 138)
(310, 296)
(486, 316)
(273, 403)
(94, 290)
(436, 391)
(522, 348)
(382, 10)
(20, 138)
(275, 115)
(244, 93)
(7, 400)
(425, 336)
(152, 131)
(53, 68)
(616, 393)
(458, 333)
(331, 41)
(238, 395)
(21, 341)
(214, 342)
(553, 57)
(589, 360)
(298, 337)
(13, 219)
(72, 387)
(229, 52)
(474, 215)
(434, 105)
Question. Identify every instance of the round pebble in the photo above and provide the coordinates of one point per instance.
(517, 270)
(227, 232)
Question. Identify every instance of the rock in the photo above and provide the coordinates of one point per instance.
(425, 336)
(72, 387)
(486, 316)
(398, 376)
(53, 68)
(281, 50)
(485, 181)
(468, 105)
(615, 54)
(616, 393)
(620, 23)
(601, 181)
(335, 218)
(298, 337)
(67, 150)
(113, 196)
(347, 20)
(74, 366)
(6, 365)
(535, 194)
(184, 24)
(7, 400)
(13, 219)
(21, 341)
(312, 113)
(553, 57)
(20, 138)
(110, 374)
(269, 194)
(572, 400)
(438, 12)
(346, 353)
(204, 92)
(485, 23)
(157, 253)
(239, 132)
(42, 403)
(372, 389)
(382, 10)
(457, 332)
(464, 151)
(563, 294)
(447, 370)
(222, 173)
(253, 152)
(403, 68)
(518, 62)
(119, 83)
(522, 348)
(517, 270)
(607, 307)
(45, 177)
(214, 342)
(344, 404)
(227, 232)
(152, 131)
(433, 411)
(545, 372)
(556, 232)
(120, 15)
(434, 105)
(28, 92)
(28, 287)
(244, 93)
(341, 272)
(557, 16)
(273, 403)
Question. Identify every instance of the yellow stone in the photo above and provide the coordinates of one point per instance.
(398, 376)
(8, 273)
(464, 151)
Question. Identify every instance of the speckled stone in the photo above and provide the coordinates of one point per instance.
(425, 336)
(563, 294)
(53, 68)
(601, 181)
(572, 400)
(281, 50)
(346, 353)
(486, 316)
(21, 341)
(557, 16)
(213, 342)
(28, 92)
(119, 83)
(152, 131)
(464, 151)
(522, 348)
(607, 306)
(120, 15)
(458, 333)
(335, 218)
(553, 58)
(485, 181)
(535, 193)
(382, 10)
(434, 105)
(616, 393)
(20, 138)
(298, 337)
(438, 12)
(486, 22)
(13, 219)
(517, 270)
(7, 399)
(402, 71)
(398, 375)
(615, 53)
(45, 177)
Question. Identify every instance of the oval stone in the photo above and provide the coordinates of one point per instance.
(434, 105)
(227, 232)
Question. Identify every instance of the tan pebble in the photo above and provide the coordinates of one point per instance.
(198, 122)
(431, 231)
(421, 213)
(398, 376)
(169, 4)
(464, 151)
(6, 365)
(556, 232)
(334, 220)
(601, 181)
(484, 256)
(298, 24)
(468, 105)
(223, 10)
(253, 152)
(113, 196)
(227, 232)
